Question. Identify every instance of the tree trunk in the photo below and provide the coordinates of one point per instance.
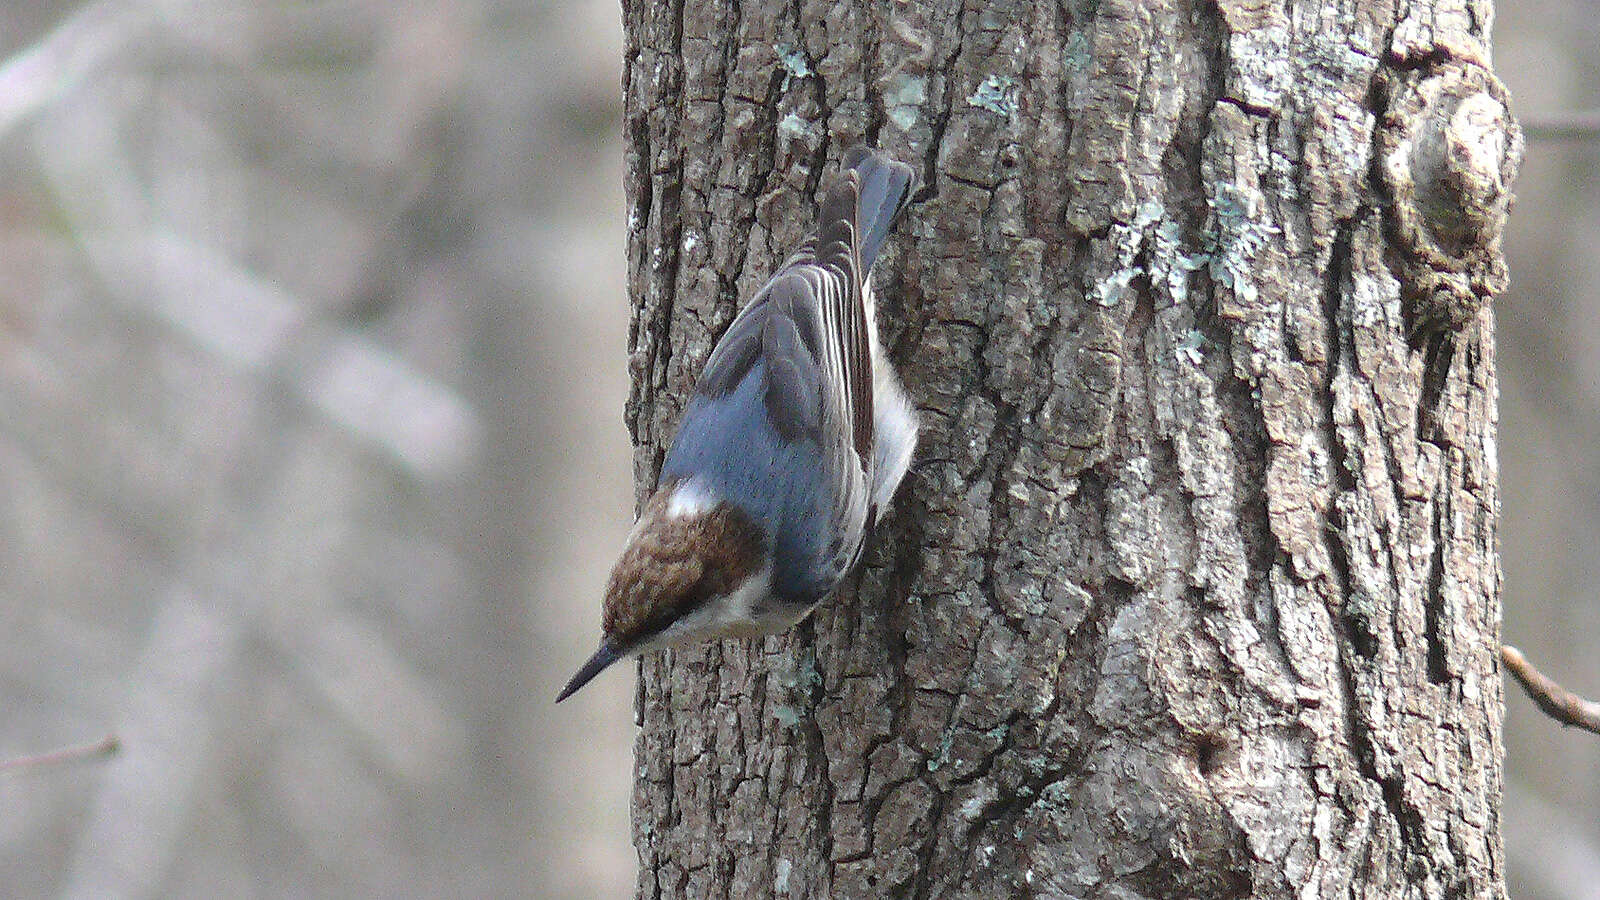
(1193, 589)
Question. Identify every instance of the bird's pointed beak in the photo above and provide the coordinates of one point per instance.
(605, 656)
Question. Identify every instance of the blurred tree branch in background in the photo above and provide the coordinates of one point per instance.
(1556, 126)
(1552, 699)
(105, 748)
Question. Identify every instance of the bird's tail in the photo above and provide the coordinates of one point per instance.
(885, 187)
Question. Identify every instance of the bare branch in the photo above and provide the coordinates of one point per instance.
(1556, 701)
(105, 748)
(1562, 125)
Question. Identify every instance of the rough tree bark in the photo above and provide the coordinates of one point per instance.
(1193, 590)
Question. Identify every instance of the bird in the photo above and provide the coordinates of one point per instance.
(793, 443)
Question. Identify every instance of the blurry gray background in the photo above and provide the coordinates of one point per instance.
(312, 327)
(1548, 53)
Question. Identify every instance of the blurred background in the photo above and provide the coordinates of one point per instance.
(1548, 53)
(312, 363)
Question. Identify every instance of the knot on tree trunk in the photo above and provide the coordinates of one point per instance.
(1448, 152)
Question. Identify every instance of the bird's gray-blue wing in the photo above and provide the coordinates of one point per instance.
(781, 421)
(808, 326)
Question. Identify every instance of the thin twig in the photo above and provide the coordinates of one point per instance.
(104, 748)
(1557, 702)
(1560, 125)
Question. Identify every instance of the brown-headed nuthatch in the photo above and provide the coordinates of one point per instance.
(794, 441)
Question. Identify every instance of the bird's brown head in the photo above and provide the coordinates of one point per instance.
(686, 550)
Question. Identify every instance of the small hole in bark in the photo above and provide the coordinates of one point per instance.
(1008, 159)
(1210, 753)
(1362, 640)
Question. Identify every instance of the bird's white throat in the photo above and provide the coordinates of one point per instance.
(689, 498)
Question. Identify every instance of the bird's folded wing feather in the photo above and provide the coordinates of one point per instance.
(807, 328)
